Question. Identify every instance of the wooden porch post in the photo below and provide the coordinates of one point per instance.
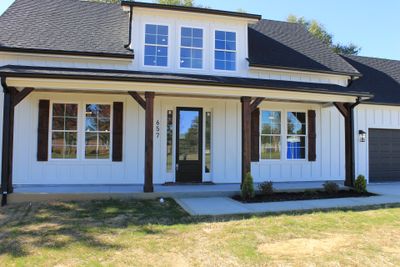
(6, 153)
(148, 177)
(11, 98)
(148, 105)
(346, 109)
(246, 135)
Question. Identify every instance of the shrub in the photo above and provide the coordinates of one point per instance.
(310, 192)
(361, 184)
(331, 188)
(266, 188)
(247, 187)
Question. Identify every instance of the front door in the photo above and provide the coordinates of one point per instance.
(189, 136)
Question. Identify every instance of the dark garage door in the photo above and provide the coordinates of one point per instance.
(384, 155)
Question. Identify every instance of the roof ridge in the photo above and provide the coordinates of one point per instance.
(370, 57)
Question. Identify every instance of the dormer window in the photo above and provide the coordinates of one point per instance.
(156, 45)
(225, 50)
(191, 48)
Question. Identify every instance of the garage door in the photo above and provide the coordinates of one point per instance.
(384, 155)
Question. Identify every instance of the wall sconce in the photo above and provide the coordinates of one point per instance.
(362, 135)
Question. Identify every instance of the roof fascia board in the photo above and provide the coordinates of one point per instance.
(302, 72)
(216, 91)
(66, 53)
(254, 17)
(186, 83)
(259, 66)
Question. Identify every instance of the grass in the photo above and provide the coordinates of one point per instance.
(147, 233)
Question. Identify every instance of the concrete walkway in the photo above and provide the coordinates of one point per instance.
(388, 194)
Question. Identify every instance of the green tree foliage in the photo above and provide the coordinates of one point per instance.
(107, 1)
(319, 31)
(176, 2)
(247, 191)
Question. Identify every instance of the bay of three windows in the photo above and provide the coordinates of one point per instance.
(191, 54)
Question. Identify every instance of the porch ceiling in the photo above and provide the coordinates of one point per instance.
(93, 80)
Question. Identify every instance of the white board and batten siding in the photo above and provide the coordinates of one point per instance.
(329, 164)
(371, 117)
(225, 145)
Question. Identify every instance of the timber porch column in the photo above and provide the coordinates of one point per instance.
(246, 135)
(12, 97)
(148, 105)
(346, 109)
(247, 108)
(148, 168)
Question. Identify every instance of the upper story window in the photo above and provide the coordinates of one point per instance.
(191, 48)
(225, 50)
(156, 45)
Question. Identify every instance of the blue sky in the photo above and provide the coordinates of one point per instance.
(373, 25)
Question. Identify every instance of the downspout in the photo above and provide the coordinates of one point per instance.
(4, 178)
(127, 46)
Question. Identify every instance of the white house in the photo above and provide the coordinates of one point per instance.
(140, 93)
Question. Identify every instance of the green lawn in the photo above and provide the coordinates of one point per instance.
(146, 233)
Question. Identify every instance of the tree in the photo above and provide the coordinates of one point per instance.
(176, 2)
(319, 31)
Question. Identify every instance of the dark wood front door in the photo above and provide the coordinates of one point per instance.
(189, 147)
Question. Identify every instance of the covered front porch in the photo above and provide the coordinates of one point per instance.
(34, 193)
(143, 148)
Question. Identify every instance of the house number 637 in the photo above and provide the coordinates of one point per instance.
(157, 128)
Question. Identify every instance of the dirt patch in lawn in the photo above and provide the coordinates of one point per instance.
(304, 246)
(306, 195)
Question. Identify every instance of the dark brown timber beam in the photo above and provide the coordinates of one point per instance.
(346, 109)
(148, 105)
(246, 135)
(138, 99)
(148, 175)
(21, 95)
(256, 103)
(11, 99)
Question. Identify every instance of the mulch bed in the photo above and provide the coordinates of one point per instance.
(307, 195)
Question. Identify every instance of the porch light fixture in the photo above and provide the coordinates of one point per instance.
(362, 135)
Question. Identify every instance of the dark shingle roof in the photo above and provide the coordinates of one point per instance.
(277, 44)
(65, 26)
(381, 77)
(174, 78)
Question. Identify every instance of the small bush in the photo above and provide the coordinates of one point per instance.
(331, 188)
(310, 192)
(361, 184)
(247, 187)
(266, 188)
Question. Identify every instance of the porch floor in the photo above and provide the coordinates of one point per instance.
(23, 193)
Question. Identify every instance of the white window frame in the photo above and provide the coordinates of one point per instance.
(284, 134)
(50, 133)
(81, 133)
(205, 111)
(235, 51)
(167, 46)
(280, 135)
(83, 149)
(301, 135)
(180, 46)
